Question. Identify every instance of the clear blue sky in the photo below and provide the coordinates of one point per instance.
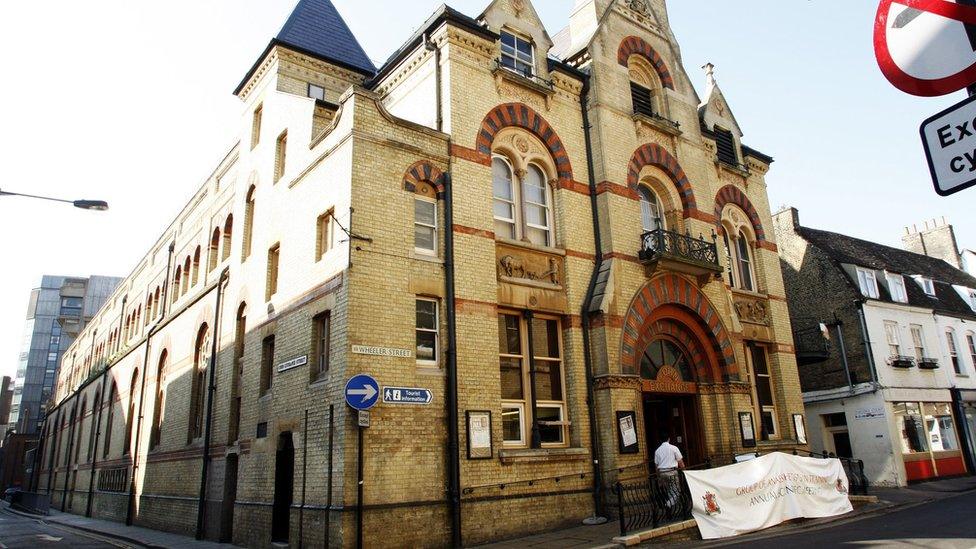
(131, 102)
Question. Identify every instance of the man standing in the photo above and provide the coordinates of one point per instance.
(668, 460)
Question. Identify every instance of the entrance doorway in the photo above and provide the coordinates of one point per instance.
(677, 417)
(284, 489)
(230, 499)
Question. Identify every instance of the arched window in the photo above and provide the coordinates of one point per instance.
(156, 435)
(177, 279)
(645, 88)
(149, 309)
(214, 249)
(96, 404)
(130, 417)
(196, 266)
(248, 223)
(237, 391)
(652, 214)
(186, 273)
(953, 351)
(81, 425)
(661, 353)
(745, 263)
(156, 304)
(522, 203)
(109, 419)
(201, 360)
(228, 235)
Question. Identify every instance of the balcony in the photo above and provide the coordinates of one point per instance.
(903, 362)
(927, 363)
(812, 347)
(681, 253)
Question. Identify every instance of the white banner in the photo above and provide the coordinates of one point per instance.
(766, 491)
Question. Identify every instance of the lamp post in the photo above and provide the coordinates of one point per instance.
(96, 205)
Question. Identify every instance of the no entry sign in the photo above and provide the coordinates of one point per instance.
(950, 147)
(927, 47)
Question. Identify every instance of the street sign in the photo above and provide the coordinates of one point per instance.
(949, 139)
(927, 47)
(362, 392)
(407, 395)
(364, 419)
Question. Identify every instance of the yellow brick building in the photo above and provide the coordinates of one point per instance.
(556, 236)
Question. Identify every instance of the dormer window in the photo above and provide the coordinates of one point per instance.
(517, 54)
(972, 299)
(868, 283)
(927, 285)
(316, 92)
(896, 287)
(643, 99)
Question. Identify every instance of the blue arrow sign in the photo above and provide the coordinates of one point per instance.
(407, 395)
(362, 392)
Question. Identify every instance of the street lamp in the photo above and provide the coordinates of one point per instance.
(96, 205)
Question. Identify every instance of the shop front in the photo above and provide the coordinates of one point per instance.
(930, 442)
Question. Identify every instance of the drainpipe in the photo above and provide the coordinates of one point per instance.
(453, 457)
(211, 389)
(868, 352)
(595, 449)
(843, 352)
(142, 394)
(67, 461)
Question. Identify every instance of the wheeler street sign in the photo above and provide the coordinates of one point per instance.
(927, 47)
(407, 395)
(949, 139)
(362, 392)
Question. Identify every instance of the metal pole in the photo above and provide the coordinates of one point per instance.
(359, 494)
(843, 354)
(301, 510)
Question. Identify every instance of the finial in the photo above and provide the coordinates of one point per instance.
(709, 73)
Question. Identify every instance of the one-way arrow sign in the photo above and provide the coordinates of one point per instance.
(362, 392)
(407, 395)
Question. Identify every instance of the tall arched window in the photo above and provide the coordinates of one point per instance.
(156, 304)
(177, 279)
(156, 435)
(109, 419)
(130, 417)
(228, 234)
(196, 266)
(652, 214)
(81, 425)
(214, 249)
(96, 404)
(201, 360)
(745, 263)
(248, 223)
(237, 391)
(149, 309)
(186, 272)
(645, 87)
(522, 203)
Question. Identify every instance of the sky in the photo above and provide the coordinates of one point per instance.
(131, 102)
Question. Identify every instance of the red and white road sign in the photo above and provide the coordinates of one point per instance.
(927, 47)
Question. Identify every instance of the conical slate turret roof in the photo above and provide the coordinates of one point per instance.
(316, 27)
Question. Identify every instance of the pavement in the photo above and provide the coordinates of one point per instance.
(19, 529)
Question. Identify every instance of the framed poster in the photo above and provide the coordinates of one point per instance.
(627, 432)
(800, 428)
(479, 434)
(747, 430)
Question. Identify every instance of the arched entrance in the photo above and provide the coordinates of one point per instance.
(670, 399)
(674, 339)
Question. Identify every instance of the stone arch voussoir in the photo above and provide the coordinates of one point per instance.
(424, 172)
(635, 45)
(652, 154)
(522, 116)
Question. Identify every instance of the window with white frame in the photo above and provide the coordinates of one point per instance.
(953, 351)
(926, 284)
(918, 340)
(764, 391)
(516, 381)
(522, 204)
(316, 92)
(868, 283)
(517, 54)
(891, 336)
(738, 251)
(428, 323)
(896, 287)
(652, 214)
(745, 263)
(425, 226)
(971, 343)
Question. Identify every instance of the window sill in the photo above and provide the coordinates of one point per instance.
(962, 375)
(546, 90)
(660, 123)
(535, 455)
(737, 170)
(429, 258)
(322, 381)
(530, 246)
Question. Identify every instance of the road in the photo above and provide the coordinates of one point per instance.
(21, 532)
(942, 524)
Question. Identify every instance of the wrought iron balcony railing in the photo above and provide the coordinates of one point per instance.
(902, 361)
(667, 245)
(928, 363)
(812, 347)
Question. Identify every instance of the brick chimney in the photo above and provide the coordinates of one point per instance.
(937, 239)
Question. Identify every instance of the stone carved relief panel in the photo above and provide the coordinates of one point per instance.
(530, 278)
(752, 310)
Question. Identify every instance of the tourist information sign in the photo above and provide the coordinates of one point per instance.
(407, 395)
(949, 139)
(927, 47)
(362, 392)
